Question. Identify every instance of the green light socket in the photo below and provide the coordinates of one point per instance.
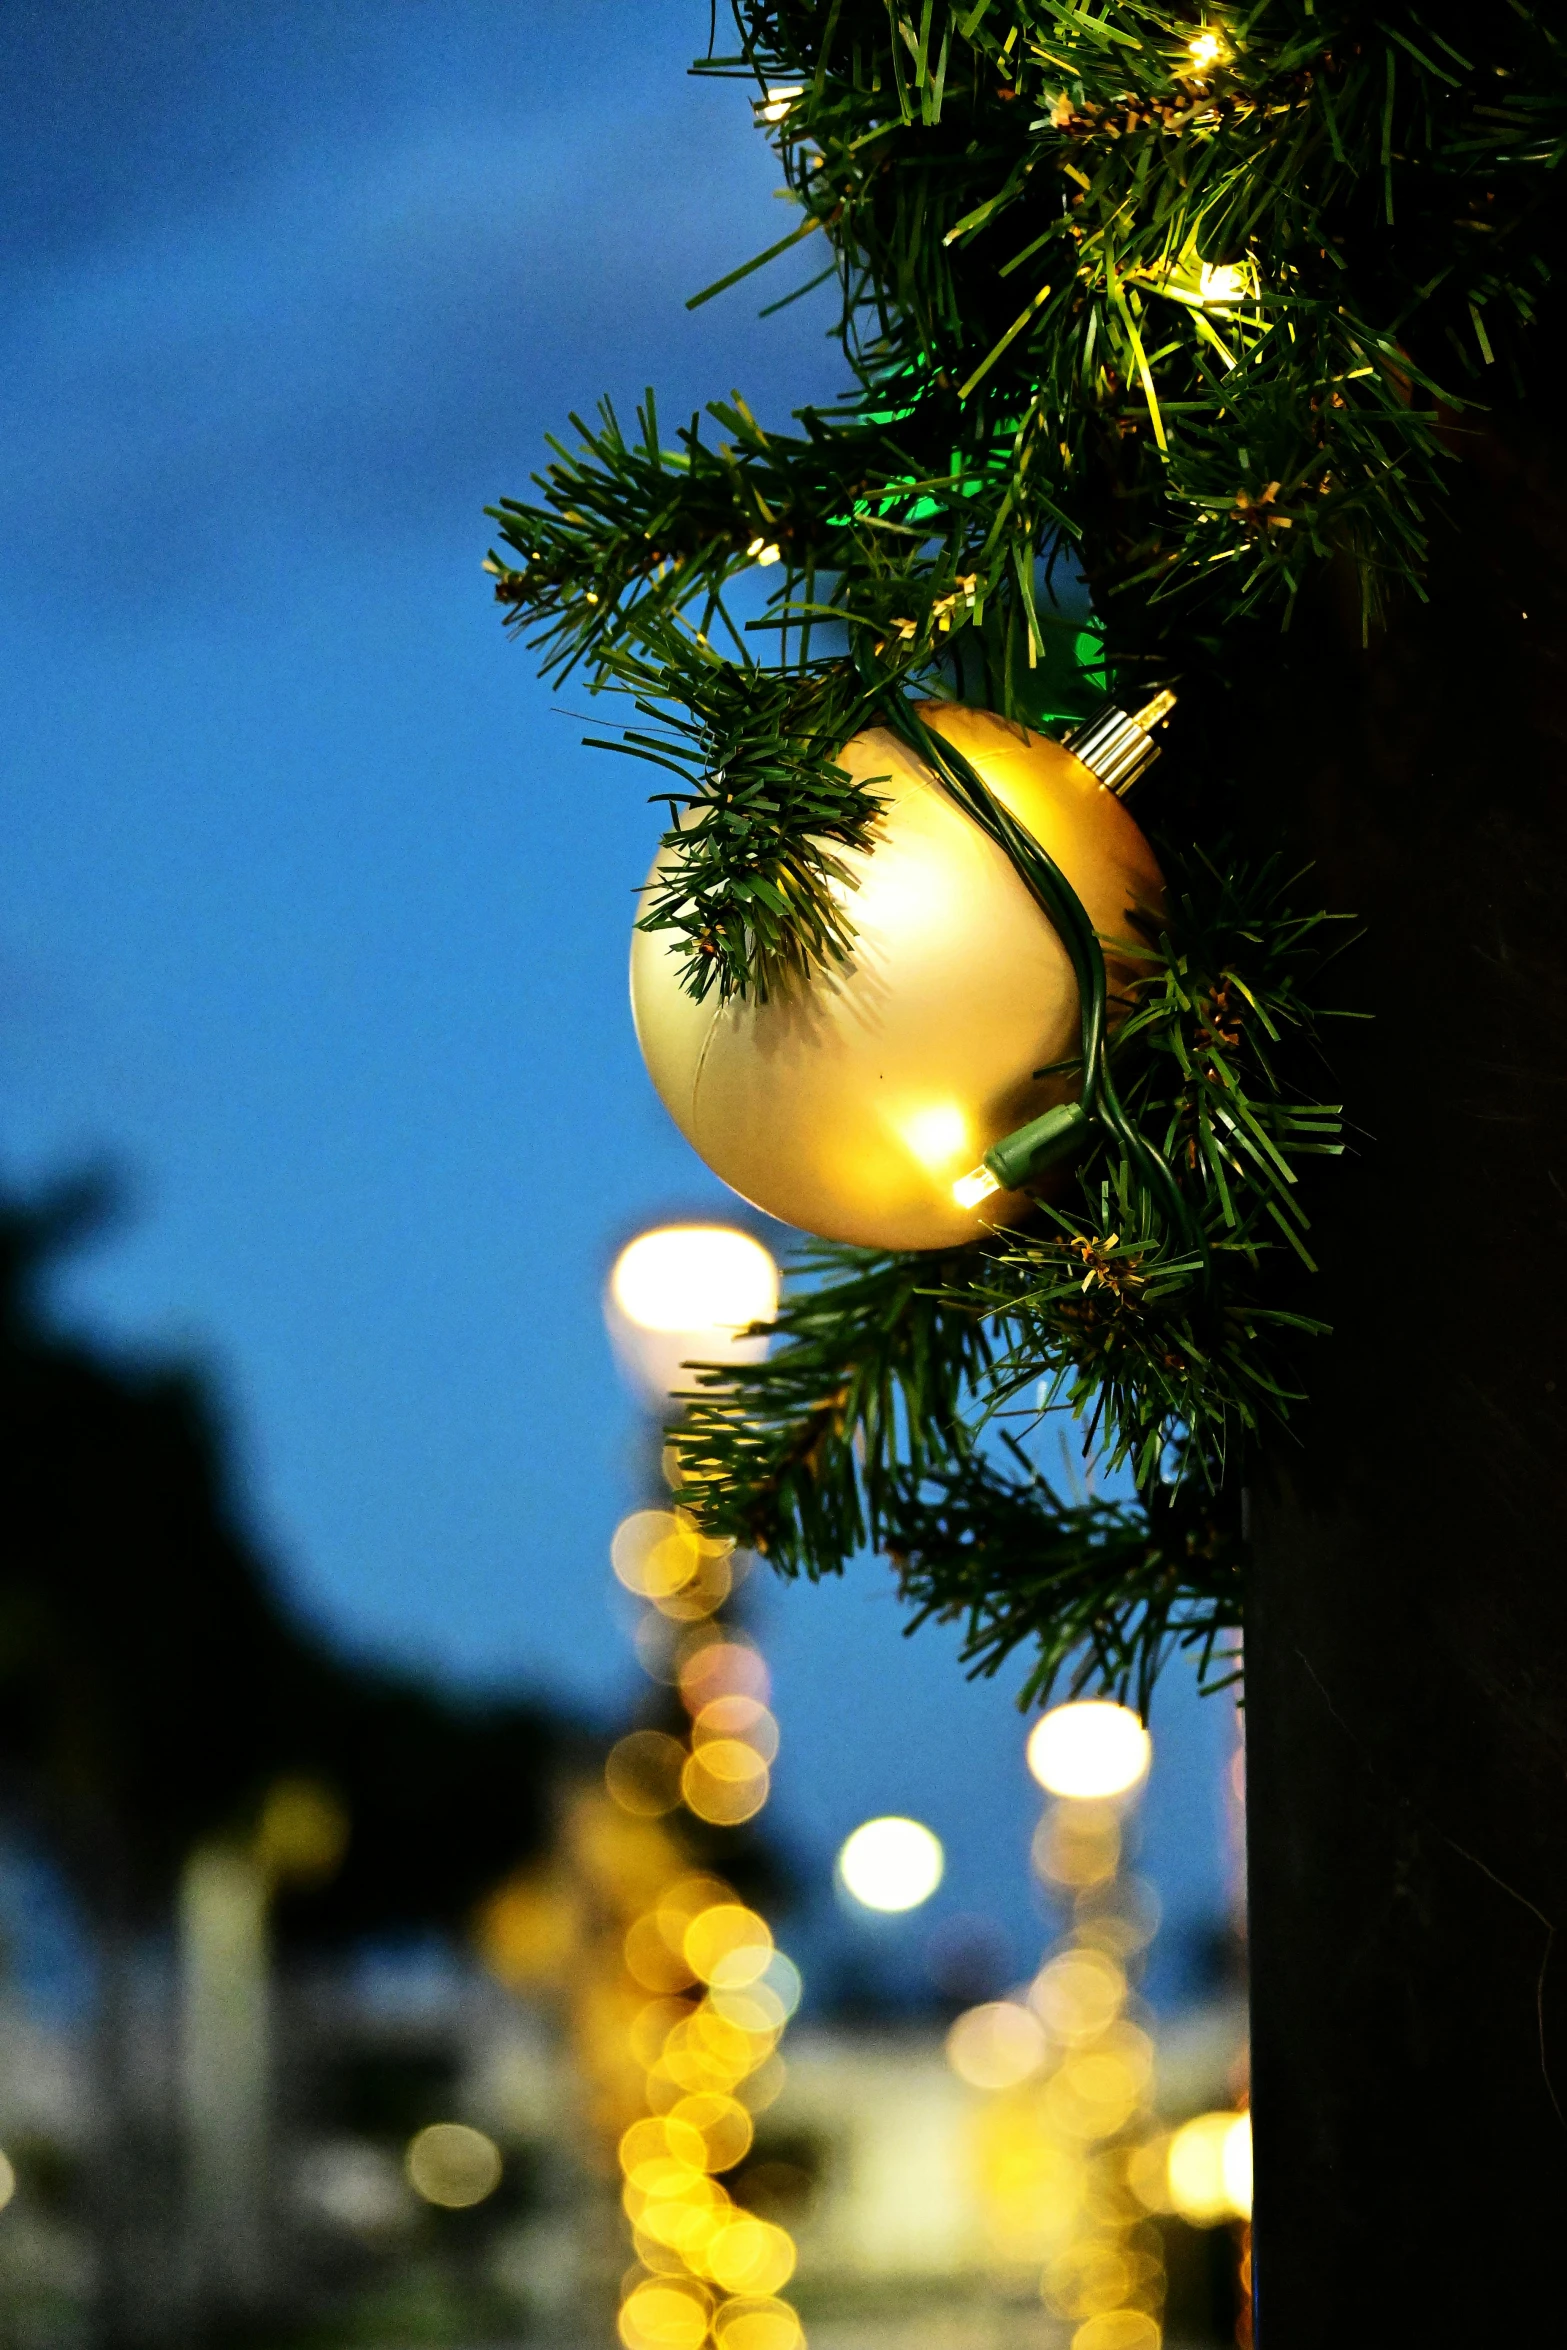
(1038, 1145)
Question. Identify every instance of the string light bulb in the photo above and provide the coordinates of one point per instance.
(1205, 48)
(970, 1190)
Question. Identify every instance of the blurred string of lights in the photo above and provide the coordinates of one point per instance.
(676, 1993)
(1075, 2174)
(718, 1992)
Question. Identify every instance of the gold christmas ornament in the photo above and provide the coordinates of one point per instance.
(849, 1106)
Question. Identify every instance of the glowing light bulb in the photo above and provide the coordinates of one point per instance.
(1090, 1748)
(891, 1864)
(1205, 49)
(776, 104)
(970, 1189)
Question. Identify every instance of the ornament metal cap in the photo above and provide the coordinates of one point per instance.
(1118, 745)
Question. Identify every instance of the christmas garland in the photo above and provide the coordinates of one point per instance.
(1186, 304)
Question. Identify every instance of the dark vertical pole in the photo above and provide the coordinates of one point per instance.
(1407, 1634)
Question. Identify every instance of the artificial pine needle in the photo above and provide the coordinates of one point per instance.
(1363, 210)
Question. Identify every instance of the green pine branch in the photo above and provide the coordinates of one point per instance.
(1208, 321)
(751, 883)
(1103, 1591)
(1191, 305)
(875, 1360)
(886, 1371)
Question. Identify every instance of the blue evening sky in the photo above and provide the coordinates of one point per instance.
(313, 911)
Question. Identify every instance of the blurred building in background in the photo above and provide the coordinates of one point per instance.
(335, 2011)
(216, 1818)
(319, 2015)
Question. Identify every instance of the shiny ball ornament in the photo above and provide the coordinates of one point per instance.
(850, 1103)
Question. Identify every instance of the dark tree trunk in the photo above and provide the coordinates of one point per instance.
(1407, 1629)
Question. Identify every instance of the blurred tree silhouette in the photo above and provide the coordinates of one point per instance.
(154, 1686)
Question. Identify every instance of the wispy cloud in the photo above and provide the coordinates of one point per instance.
(373, 336)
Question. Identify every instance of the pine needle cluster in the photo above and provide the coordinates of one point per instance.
(1182, 302)
(892, 1407)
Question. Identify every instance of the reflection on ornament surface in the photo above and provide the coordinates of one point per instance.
(848, 1107)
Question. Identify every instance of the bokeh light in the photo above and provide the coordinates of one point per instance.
(660, 1556)
(1091, 1748)
(1061, 2146)
(748, 2324)
(528, 1930)
(1078, 1994)
(728, 1945)
(725, 1783)
(1097, 2090)
(686, 1294)
(782, 1980)
(1095, 2276)
(722, 2123)
(1120, 1919)
(642, 1773)
(659, 2148)
(997, 2045)
(638, 1554)
(749, 2255)
(1237, 2165)
(664, 2313)
(712, 1669)
(1077, 1845)
(1118, 2329)
(652, 1960)
(695, 1277)
(452, 2165)
(737, 1717)
(1208, 2168)
(681, 2073)
(7, 2180)
(891, 1864)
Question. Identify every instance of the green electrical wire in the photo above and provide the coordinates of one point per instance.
(1046, 1140)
